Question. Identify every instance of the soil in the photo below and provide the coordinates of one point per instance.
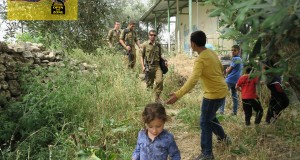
(188, 141)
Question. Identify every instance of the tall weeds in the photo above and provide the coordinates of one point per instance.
(65, 113)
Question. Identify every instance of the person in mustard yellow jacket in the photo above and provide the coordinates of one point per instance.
(209, 71)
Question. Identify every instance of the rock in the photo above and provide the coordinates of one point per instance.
(45, 61)
(11, 75)
(44, 64)
(33, 48)
(40, 46)
(37, 60)
(19, 49)
(2, 68)
(51, 64)
(40, 55)
(14, 88)
(3, 47)
(46, 52)
(26, 62)
(2, 59)
(50, 57)
(27, 54)
(52, 54)
(2, 76)
(4, 85)
(10, 63)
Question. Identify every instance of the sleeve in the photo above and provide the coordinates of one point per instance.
(143, 52)
(122, 34)
(136, 152)
(233, 64)
(109, 36)
(192, 80)
(235, 61)
(173, 150)
(238, 84)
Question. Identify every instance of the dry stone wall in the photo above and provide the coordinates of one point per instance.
(13, 56)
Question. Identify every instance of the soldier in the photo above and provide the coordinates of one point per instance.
(113, 36)
(151, 54)
(128, 39)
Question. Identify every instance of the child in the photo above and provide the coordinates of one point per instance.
(249, 97)
(233, 73)
(279, 99)
(154, 142)
(209, 71)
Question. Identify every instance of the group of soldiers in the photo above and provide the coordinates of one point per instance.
(150, 52)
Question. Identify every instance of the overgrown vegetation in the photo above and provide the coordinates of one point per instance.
(267, 30)
(68, 114)
(65, 112)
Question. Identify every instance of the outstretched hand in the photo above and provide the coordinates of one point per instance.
(173, 98)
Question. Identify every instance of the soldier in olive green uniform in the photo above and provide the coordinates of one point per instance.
(150, 56)
(113, 36)
(128, 39)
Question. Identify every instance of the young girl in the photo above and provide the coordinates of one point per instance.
(154, 142)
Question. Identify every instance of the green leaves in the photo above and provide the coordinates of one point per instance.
(215, 12)
(266, 29)
(275, 19)
(256, 48)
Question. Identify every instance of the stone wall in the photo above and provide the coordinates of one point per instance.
(13, 56)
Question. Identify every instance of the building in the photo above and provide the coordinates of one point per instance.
(190, 15)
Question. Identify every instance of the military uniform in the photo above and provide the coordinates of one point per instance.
(130, 38)
(151, 54)
(113, 38)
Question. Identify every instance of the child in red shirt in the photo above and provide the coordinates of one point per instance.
(247, 86)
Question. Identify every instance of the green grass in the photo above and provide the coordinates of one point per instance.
(78, 114)
(75, 112)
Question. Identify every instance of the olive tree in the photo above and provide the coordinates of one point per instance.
(267, 30)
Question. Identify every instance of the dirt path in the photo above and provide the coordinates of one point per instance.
(187, 141)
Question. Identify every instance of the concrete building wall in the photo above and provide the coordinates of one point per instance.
(201, 21)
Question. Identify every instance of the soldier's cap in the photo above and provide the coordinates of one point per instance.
(132, 22)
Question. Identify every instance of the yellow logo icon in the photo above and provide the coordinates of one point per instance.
(58, 8)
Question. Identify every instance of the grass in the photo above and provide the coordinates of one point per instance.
(78, 115)
(75, 112)
(263, 142)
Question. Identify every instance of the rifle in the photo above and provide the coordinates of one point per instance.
(130, 55)
(146, 65)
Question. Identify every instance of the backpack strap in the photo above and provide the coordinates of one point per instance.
(159, 47)
(126, 31)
